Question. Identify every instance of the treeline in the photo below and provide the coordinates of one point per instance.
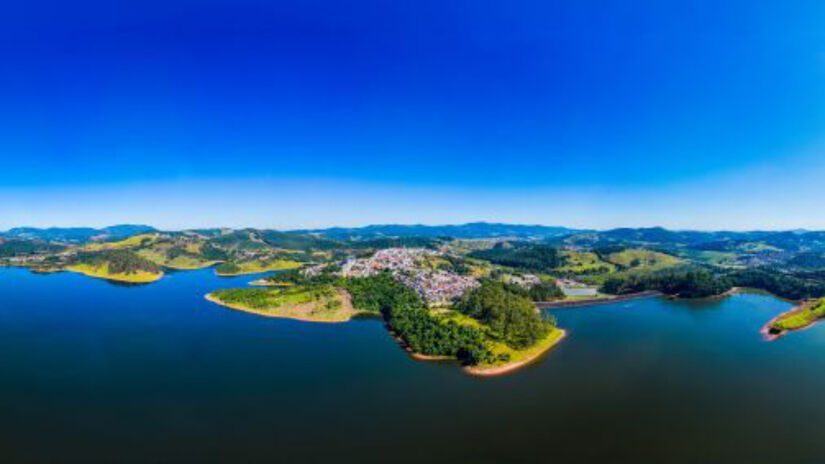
(118, 261)
(690, 283)
(12, 248)
(393, 242)
(779, 283)
(531, 257)
(262, 298)
(228, 268)
(698, 282)
(410, 320)
(510, 317)
(542, 291)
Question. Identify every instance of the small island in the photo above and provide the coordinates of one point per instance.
(798, 318)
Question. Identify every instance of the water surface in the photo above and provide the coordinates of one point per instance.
(95, 372)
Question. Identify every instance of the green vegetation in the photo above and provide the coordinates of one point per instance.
(254, 267)
(134, 241)
(121, 265)
(318, 303)
(798, 318)
(778, 283)
(510, 317)
(10, 248)
(421, 331)
(638, 258)
(522, 256)
(687, 283)
(174, 257)
(584, 262)
(545, 290)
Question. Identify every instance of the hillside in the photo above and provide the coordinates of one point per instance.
(470, 230)
(119, 265)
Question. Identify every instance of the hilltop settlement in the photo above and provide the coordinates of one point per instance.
(470, 293)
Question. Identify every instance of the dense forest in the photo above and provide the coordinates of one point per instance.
(699, 282)
(522, 256)
(688, 283)
(407, 317)
(778, 283)
(118, 261)
(11, 248)
(511, 318)
(543, 291)
(392, 242)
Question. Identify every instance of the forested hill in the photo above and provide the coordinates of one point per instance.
(471, 230)
(77, 234)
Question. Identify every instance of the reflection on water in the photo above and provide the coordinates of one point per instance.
(93, 372)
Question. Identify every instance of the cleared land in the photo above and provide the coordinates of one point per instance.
(136, 240)
(159, 256)
(318, 304)
(583, 262)
(102, 272)
(635, 258)
(797, 318)
(255, 267)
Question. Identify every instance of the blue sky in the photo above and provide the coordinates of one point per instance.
(701, 115)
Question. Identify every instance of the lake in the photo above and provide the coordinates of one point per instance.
(97, 372)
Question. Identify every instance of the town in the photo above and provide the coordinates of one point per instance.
(411, 267)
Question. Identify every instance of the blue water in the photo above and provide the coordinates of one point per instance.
(95, 372)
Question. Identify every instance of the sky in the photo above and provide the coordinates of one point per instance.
(597, 114)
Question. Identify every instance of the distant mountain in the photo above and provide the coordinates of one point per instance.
(77, 234)
(723, 241)
(471, 230)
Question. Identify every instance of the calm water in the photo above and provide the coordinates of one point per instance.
(94, 372)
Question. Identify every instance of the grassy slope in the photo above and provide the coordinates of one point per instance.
(800, 317)
(102, 272)
(159, 257)
(583, 262)
(121, 244)
(290, 302)
(516, 356)
(646, 259)
(255, 267)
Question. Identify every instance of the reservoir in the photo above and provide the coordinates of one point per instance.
(96, 372)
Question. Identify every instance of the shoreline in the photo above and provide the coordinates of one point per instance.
(598, 301)
(212, 299)
(765, 331)
(412, 354)
(504, 369)
(127, 280)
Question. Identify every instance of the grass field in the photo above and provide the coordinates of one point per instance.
(325, 304)
(121, 244)
(158, 256)
(256, 267)
(516, 357)
(519, 356)
(583, 262)
(803, 316)
(638, 258)
(102, 272)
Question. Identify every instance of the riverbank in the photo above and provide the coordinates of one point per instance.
(801, 317)
(306, 312)
(102, 272)
(523, 359)
(596, 301)
(257, 268)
